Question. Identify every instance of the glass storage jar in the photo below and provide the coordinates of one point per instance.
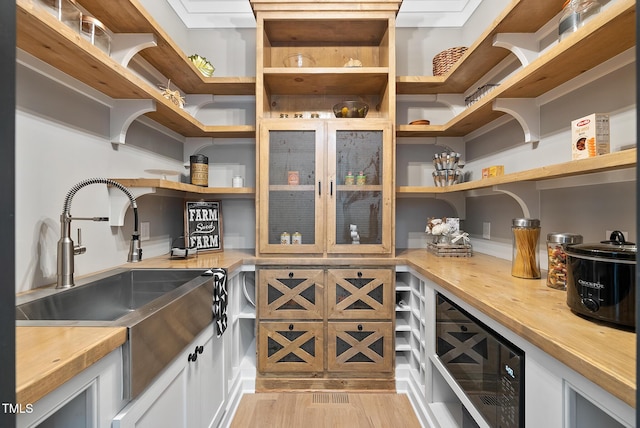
(557, 273)
(526, 234)
(575, 14)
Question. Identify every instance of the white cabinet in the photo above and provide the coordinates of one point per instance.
(190, 392)
(90, 399)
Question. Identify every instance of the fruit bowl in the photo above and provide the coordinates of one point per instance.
(351, 109)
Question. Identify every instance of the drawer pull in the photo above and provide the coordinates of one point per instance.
(290, 326)
(359, 327)
(290, 274)
(463, 328)
(359, 274)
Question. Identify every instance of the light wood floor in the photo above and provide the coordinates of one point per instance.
(324, 410)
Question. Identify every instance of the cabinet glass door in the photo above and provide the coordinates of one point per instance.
(359, 204)
(291, 162)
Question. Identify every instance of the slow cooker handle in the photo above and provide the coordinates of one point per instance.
(616, 237)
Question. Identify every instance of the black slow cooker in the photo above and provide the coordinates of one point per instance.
(601, 280)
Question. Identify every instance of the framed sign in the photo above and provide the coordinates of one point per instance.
(203, 225)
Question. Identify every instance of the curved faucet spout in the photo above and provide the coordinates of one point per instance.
(67, 249)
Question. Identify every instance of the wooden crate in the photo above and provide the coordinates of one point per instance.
(450, 250)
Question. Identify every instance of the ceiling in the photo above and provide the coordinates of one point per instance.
(238, 14)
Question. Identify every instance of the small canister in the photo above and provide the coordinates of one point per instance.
(237, 181)
(285, 238)
(199, 170)
(557, 275)
(526, 234)
(361, 179)
(296, 238)
(349, 179)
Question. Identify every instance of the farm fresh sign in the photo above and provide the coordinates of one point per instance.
(203, 225)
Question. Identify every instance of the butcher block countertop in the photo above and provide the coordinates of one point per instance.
(539, 314)
(47, 357)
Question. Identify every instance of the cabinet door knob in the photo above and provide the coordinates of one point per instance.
(290, 274)
(359, 274)
(359, 327)
(290, 326)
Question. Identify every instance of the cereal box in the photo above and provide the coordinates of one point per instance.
(590, 136)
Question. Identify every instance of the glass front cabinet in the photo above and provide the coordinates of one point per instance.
(325, 186)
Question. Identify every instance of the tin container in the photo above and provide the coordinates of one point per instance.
(199, 169)
(557, 273)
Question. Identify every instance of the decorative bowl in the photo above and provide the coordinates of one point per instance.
(299, 60)
(351, 109)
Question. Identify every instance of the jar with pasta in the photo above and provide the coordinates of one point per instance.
(557, 272)
(526, 235)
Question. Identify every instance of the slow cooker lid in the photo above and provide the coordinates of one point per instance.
(604, 250)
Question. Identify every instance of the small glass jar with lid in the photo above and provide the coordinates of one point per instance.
(557, 273)
(575, 14)
(526, 234)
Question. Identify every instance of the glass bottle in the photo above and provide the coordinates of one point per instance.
(526, 234)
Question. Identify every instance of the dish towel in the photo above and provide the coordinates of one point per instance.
(220, 299)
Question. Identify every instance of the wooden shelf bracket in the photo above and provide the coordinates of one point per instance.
(523, 45)
(457, 201)
(525, 193)
(125, 45)
(119, 202)
(123, 113)
(526, 112)
(194, 102)
(455, 102)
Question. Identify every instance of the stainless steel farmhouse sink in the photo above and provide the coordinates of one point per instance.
(162, 309)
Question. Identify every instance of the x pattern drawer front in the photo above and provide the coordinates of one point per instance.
(360, 294)
(366, 347)
(291, 294)
(291, 347)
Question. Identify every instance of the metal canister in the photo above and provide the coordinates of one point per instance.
(296, 238)
(557, 273)
(285, 238)
(199, 169)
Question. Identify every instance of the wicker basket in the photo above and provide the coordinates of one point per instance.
(443, 61)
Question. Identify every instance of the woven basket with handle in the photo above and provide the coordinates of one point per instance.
(444, 60)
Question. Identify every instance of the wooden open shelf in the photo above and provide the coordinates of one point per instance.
(523, 16)
(128, 16)
(158, 183)
(326, 80)
(44, 37)
(608, 34)
(609, 162)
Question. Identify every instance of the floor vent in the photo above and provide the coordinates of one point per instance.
(330, 398)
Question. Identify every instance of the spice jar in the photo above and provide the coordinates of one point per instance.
(557, 274)
(526, 234)
(199, 170)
